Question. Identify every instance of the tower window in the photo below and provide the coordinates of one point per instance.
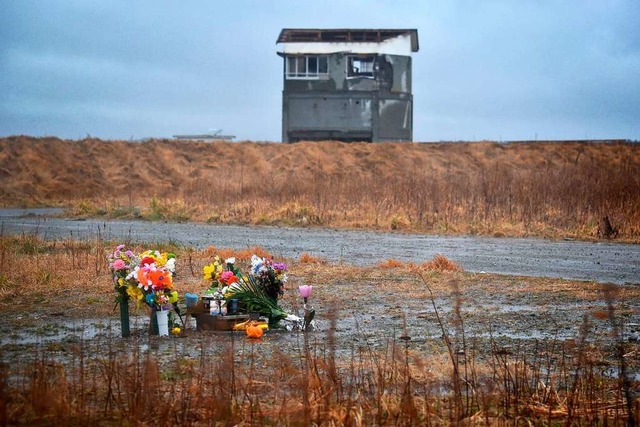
(360, 66)
(307, 67)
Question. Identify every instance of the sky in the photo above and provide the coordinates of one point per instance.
(486, 70)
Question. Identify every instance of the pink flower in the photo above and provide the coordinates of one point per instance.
(119, 265)
(228, 278)
(305, 291)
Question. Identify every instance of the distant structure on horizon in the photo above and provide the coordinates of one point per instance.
(347, 84)
(206, 137)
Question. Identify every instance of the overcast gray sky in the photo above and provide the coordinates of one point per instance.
(499, 70)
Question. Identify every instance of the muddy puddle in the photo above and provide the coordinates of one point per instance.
(361, 326)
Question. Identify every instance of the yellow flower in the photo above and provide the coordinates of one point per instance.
(121, 282)
(173, 297)
(176, 331)
(213, 270)
(159, 258)
(135, 293)
(208, 271)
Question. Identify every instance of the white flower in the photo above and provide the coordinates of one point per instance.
(256, 263)
(231, 260)
(171, 265)
(133, 273)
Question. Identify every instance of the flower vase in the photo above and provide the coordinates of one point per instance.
(163, 322)
(124, 317)
(153, 322)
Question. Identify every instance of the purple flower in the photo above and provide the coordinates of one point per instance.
(279, 266)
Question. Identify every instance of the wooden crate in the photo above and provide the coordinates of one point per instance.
(207, 322)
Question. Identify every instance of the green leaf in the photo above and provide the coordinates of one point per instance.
(252, 295)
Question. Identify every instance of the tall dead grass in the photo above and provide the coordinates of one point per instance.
(110, 383)
(544, 189)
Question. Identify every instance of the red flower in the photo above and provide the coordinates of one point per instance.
(147, 261)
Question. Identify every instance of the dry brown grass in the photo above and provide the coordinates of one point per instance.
(547, 189)
(391, 263)
(307, 258)
(239, 254)
(441, 263)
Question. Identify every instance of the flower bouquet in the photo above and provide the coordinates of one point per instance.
(121, 262)
(146, 278)
(260, 290)
(152, 280)
(222, 279)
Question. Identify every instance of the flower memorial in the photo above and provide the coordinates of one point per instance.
(256, 292)
(145, 278)
(148, 279)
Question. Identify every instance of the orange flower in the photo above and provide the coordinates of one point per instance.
(141, 277)
(160, 279)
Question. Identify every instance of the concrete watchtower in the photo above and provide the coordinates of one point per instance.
(347, 84)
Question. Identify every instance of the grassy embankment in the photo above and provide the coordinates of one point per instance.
(327, 377)
(548, 189)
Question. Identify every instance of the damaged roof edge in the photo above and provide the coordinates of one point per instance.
(307, 35)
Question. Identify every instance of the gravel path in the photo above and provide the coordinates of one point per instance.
(604, 262)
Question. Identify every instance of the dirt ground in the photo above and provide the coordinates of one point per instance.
(368, 308)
